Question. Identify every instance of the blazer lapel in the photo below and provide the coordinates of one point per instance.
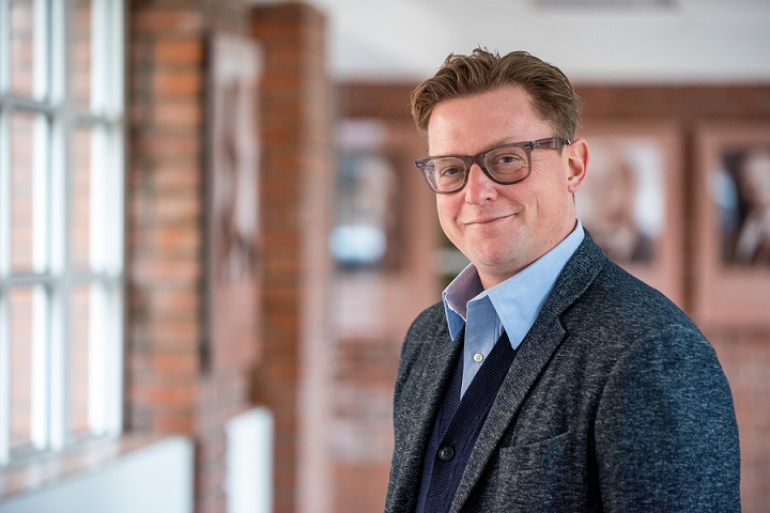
(421, 400)
(534, 353)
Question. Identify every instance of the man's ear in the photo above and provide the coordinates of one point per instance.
(577, 164)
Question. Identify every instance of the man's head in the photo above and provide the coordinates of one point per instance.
(462, 75)
(473, 107)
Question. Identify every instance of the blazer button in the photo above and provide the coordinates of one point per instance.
(446, 453)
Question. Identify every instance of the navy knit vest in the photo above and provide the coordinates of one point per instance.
(457, 426)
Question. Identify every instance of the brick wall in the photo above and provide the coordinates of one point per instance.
(297, 179)
(169, 388)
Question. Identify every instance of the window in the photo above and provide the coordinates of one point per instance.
(61, 222)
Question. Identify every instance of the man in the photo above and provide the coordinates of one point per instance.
(548, 379)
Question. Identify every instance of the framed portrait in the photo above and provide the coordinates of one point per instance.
(368, 225)
(629, 201)
(732, 282)
(232, 221)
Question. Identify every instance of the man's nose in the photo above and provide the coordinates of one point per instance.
(480, 187)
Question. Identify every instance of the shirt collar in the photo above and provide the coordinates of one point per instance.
(518, 299)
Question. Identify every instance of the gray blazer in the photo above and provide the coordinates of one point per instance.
(615, 402)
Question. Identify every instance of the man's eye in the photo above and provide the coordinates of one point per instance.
(449, 171)
(508, 159)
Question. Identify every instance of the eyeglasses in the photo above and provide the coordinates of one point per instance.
(506, 164)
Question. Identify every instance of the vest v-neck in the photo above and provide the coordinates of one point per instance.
(457, 426)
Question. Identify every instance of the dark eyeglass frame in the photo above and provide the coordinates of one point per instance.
(550, 143)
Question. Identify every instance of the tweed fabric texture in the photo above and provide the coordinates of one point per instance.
(615, 402)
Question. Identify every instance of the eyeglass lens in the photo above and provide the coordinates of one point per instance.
(506, 165)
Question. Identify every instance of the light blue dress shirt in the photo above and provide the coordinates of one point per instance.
(512, 305)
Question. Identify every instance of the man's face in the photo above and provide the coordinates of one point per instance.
(504, 228)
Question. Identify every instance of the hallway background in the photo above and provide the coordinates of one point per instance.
(296, 370)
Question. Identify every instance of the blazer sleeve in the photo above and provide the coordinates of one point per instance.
(666, 433)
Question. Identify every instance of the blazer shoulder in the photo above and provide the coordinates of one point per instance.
(429, 327)
(623, 309)
(427, 322)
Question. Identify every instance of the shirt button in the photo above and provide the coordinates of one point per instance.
(478, 357)
(446, 453)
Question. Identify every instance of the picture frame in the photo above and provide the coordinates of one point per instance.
(732, 254)
(231, 199)
(368, 229)
(630, 201)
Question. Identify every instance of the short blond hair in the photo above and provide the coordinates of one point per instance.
(552, 95)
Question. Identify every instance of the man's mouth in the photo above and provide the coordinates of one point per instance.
(488, 219)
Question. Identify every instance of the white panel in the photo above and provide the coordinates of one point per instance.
(249, 462)
(155, 479)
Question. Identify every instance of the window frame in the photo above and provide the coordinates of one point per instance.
(54, 276)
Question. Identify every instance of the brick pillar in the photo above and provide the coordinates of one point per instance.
(297, 179)
(169, 388)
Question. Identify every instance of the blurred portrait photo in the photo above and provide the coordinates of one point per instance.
(742, 193)
(622, 201)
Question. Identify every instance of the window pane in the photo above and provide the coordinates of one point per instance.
(20, 323)
(22, 191)
(81, 53)
(80, 199)
(22, 46)
(78, 371)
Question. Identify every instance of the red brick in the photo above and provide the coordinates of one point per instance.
(165, 394)
(173, 176)
(166, 22)
(163, 269)
(170, 364)
(178, 114)
(179, 423)
(165, 145)
(179, 51)
(177, 83)
(180, 207)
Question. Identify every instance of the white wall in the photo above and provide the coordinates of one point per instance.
(591, 40)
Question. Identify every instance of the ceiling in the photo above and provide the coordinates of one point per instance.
(591, 40)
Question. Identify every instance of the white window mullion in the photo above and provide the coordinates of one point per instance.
(40, 408)
(42, 217)
(58, 385)
(114, 197)
(98, 319)
(113, 237)
(98, 373)
(60, 294)
(41, 46)
(58, 52)
(107, 164)
(114, 359)
(99, 180)
(40, 194)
